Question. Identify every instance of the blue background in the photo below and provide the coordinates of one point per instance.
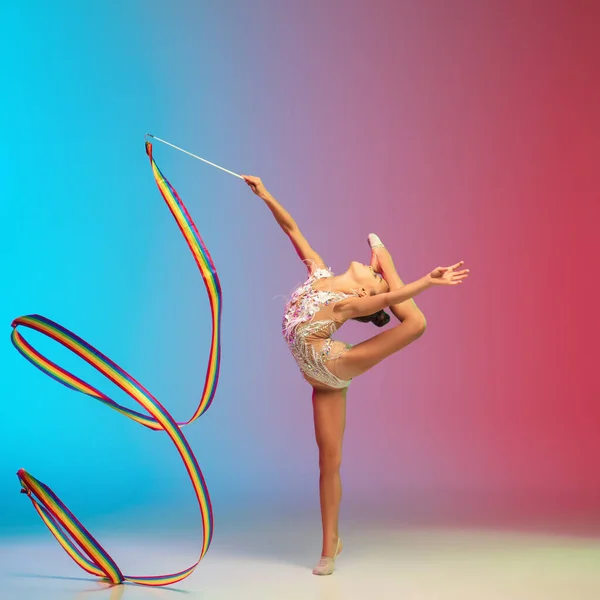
(88, 242)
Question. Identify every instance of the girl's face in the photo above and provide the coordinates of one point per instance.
(366, 278)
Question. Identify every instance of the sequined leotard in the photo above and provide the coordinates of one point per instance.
(310, 341)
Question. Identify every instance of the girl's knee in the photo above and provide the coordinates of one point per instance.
(421, 324)
(417, 324)
(330, 460)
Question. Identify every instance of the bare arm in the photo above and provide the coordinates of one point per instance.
(287, 224)
(360, 307)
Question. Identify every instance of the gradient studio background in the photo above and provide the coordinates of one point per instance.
(460, 130)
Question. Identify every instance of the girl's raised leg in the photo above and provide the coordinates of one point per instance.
(367, 354)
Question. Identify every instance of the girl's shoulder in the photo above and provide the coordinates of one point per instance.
(320, 273)
(317, 270)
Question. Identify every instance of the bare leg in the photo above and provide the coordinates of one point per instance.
(404, 310)
(367, 354)
(330, 421)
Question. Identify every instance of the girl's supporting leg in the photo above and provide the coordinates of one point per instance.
(329, 406)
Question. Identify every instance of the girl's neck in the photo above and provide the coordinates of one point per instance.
(337, 283)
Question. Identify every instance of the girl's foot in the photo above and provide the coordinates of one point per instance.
(374, 241)
(377, 250)
(381, 259)
(326, 565)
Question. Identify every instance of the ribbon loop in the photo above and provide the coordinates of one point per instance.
(75, 539)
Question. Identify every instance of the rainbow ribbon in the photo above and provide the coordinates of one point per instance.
(75, 539)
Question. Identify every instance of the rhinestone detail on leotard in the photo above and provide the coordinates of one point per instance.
(298, 327)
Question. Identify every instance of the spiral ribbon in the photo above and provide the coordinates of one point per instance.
(75, 539)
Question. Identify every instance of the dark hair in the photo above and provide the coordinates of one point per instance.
(380, 318)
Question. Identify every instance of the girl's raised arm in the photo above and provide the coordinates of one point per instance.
(309, 257)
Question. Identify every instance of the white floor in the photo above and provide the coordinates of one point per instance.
(418, 564)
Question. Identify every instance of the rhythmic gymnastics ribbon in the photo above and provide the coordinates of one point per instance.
(75, 539)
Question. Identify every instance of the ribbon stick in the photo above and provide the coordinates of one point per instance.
(212, 164)
(75, 539)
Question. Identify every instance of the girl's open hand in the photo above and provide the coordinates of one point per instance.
(256, 185)
(449, 275)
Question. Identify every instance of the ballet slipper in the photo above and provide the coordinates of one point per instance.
(326, 565)
(374, 241)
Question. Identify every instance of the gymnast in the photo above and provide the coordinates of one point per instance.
(315, 311)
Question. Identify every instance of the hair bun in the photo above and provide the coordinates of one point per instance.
(380, 318)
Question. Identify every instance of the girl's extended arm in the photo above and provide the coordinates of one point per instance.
(361, 307)
(287, 223)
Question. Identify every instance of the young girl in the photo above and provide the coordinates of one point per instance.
(315, 311)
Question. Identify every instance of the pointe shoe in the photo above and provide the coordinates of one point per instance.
(374, 241)
(326, 565)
